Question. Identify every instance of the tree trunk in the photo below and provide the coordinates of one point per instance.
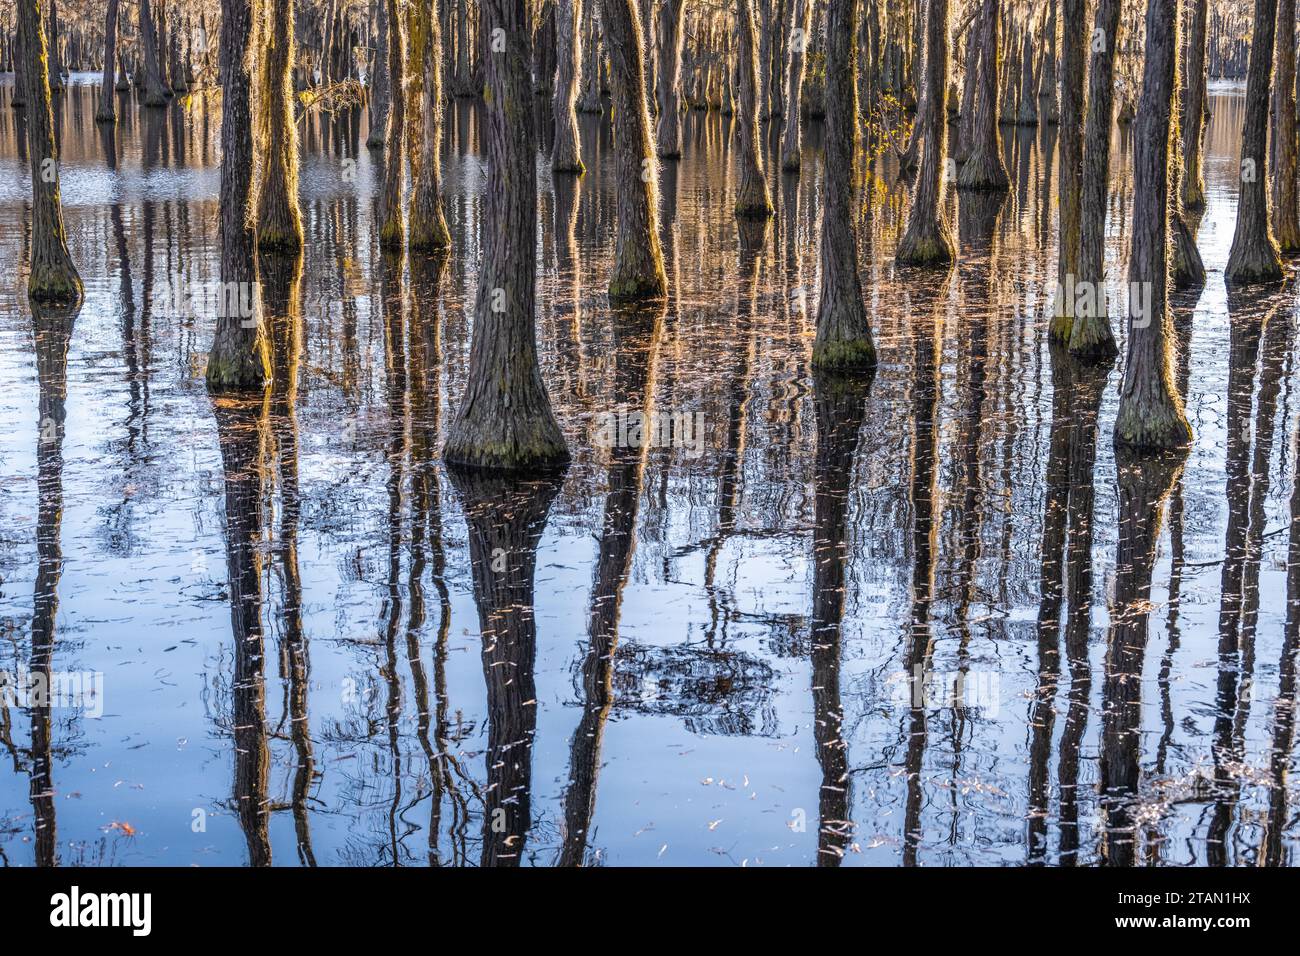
(843, 331)
(428, 224)
(107, 112)
(1091, 337)
(238, 359)
(801, 22)
(566, 154)
(753, 200)
(668, 79)
(1254, 254)
(154, 92)
(1070, 172)
(928, 239)
(589, 101)
(505, 421)
(53, 278)
(392, 232)
(984, 168)
(1194, 109)
(1286, 227)
(1151, 412)
(380, 87)
(279, 224)
(638, 261)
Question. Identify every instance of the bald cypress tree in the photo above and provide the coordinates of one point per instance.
(752, 196)
(279, 216)
(566, 157)
(843, 331)
(1070, 181)
(52, 276)
(505, 422)
(392, 231)
(1254, 253)
(638, 259)
(238, 359)
(1151, 412)
(427, 222)
(928, 239)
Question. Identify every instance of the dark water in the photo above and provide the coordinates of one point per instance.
(709, 664)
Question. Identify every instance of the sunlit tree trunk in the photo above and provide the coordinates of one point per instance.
(638, 260)
(107, 111)
(984, 168)
(391, 229)
(238, 359)
(668, 79)
(566, 156)
(1193, 127)
(1286, 227)
(505, 421)
(797, 44)
(1254, 254)
(52, 277)
(1151, 412)
(428, 224)
(1070, 172)
(589, 100)
(843, 331)
(1091, 336)
(928, 239)
(752, 196)
(279, 220)
(380, 91)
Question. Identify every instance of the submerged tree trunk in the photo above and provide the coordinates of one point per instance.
(669, 78)
(801, 22)
(155, 94)
(1070, 173)
(279, 220)
(984, 168)
(107, 111)
(238, 359)
(505, 421)
(1091, 337)
(1193, 126)
(843, 331)
(1286, 227)
(1254, 254)
(52, 277)
(392, 231)
(1151, 412)
(928, 239)
(752, 196)
(638, 261)
(566, 156)
(428, 224)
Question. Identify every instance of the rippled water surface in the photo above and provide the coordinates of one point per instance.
(314, 646)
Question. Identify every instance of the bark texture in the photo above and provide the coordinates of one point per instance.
(1254, 253)
(392, 231)
(1286, 226)
(1151, 415)
(238, 359)
(279, 217)
(1090, 335)
(843, 331)
(566, 156)
(638, 259)
(107, 110)
(668, 79)
(801, 23)
(505, 422)
(52, 276)
(1193, 126)
(428, 223)
(984, 168)
(1070, 171)
(928, 239)
(752, 196)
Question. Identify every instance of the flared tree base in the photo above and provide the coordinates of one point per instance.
(983, 171)
(844, 355)
(1188, 268)
(242, 373)
(54, 286)
(630, 288)
(1092, 341)
(1151, 424)
(488, 442)
(927, 245)
(1251, 262)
